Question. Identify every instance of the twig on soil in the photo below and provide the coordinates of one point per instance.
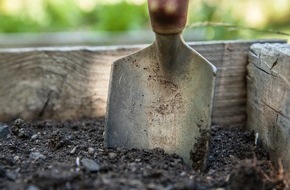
(256, 138)
(78, 164)
(41, 113)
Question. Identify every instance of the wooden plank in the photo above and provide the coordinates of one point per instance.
(231, 121)
(72, 83)
(229, 96)
(268, 104)
(232, 103)
(232, 111)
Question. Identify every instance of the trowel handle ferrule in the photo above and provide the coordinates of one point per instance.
(168, 16)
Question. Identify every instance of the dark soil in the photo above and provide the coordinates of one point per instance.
(71, 155)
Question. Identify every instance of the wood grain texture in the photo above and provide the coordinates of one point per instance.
(268, 103)
(55, 83)
(230, 58)
(72, 83)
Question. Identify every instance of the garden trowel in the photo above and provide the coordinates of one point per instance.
(161, 96)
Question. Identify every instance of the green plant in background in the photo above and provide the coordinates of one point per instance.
(221, 17)
(61, 14)
(12, 24)
(124, 15)
(67, 15)
(213, 11)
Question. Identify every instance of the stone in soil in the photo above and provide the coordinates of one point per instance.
(90, 165)
(4, 131)
(37, 156)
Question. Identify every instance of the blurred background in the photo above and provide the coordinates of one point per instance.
(111, 22)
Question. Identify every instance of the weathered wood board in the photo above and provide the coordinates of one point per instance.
(268, 102)
(72, 83)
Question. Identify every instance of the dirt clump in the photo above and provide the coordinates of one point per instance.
(71, 155)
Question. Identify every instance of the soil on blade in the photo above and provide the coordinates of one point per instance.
(71, 155)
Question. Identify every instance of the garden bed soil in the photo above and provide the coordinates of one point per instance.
(71, 155)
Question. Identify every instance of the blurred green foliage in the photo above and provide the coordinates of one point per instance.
(213, 11)
(66, 15)
(252, 14)
(123, 15)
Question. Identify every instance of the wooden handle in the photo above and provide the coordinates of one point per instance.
(168, 16)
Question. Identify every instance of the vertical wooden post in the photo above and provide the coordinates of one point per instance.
(268, 101)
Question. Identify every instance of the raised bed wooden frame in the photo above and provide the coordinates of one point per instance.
(72, 83)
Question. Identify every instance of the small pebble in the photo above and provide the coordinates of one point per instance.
(112, 155)
(78, 161)
(32, 187)
(182, 174)
(34, 137)
(91, 150)
(90, 165)
(74, 150)
(4, 131)
(16, 158)
(36, 156)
